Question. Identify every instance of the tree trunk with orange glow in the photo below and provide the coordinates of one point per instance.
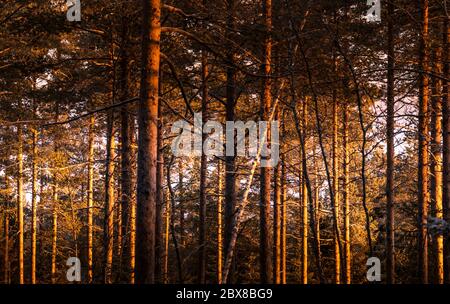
(423, 146)
(20, 201)
(446, 141)
(337, 254)
(277, 222)
(266, 99)
(148, 136)
(346, 198)
(34, 173)
(436, 165)
(90, 198)
(109, 199)
(304, 207)
(219, 222)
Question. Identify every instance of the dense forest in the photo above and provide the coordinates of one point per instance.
(89, 110)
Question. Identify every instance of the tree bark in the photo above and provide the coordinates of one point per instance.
(335, 163)
(54, 221)
(304, 205)
(6, 248)
(20, 197)
(446, 142)
(219, 222)
(436, 165)
(126, 139)
(266, 100)
(230, 167)
(390, 125)
(277, 221)
(166, 238)
(148, 136)
(109, 198)
(90, 201)
(203, 176)
(423, 146)
(34, 206)
(346, 197)
(283, 214)
(159, 195)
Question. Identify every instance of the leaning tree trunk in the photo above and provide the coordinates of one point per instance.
(148, 136)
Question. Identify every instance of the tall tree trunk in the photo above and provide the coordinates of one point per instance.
(304, 232)
(34, 207)
(6, 248)
(181, 201)
(446, 141)
(132, 227)
(119, 231)
(390, 257)
(172, 221)
(159, 195)
(148, 136)
(277, 221)
(219, 222)
(283, 215)
(20, 197)
(423, 146)
(266, 100)
(346, 198)
(335, 162)
(54, 221)
(203, 176)
(305, 176)
(90, 200)
(109, 198)
(304, 206)
(230, 167)
(317, 206)
(126, 135)
(436, 164)
(166, 238)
